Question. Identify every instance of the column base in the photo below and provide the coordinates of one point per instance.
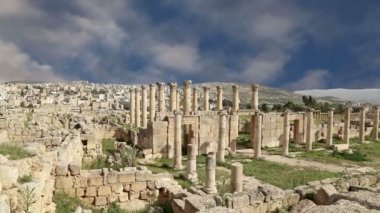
(212, 190)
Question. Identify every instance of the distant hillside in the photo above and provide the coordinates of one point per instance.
(354, 95)
(266, 94)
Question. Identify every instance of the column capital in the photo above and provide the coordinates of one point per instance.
(222, 113)
(255, 87)
(219, 88)
(177, 112)
(137, 89)
(287, 111)
(160, 84)
(332, 109)
(235, 87)
(152, 85)
(143, 87)
(172, 85)
(195, 89)
(187, 83)
(206, 88)
(309, 109)
(376, 107)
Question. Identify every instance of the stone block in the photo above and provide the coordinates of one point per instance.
(104, 190)
(324, 195)
(61, 170)
(134, 195)
(303, 206)
(123, 197)
(95, 181)
(144, 175)
(100, 201)
(79, 192)
(117, 188)
(138, 186)
(126, 187)
(112, 198)
(91, 191)
(80, 182)
(64, 182)
(126, 177)
(88, 200)
(70, 192)
(74, 169)
(111, 177)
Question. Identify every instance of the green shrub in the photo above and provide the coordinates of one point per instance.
(108, 146)
(114, 208)
(129, 156)
(15, 152)
(354, 156)
(26, 178)
(98, 163)
(65, 203)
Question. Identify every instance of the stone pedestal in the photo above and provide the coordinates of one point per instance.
(219, 100)
(137, 104)
(235, 98)
(346, 128)
(258, 138)
(309, 129)
(362, 126)
(375, 132)
(161, 97)
(178, 140)
(330, 128)
(285, 135)
(132, 106)
(152, 102)
(191, 169)
(255, 97)
(186, 97)
(173, 97)
(221, 136)
(206, 98)
(236, 185)
(144, 107)
(195, 100)
(210, 183)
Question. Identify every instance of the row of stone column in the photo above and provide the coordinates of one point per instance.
(138, 108)
(330, 128)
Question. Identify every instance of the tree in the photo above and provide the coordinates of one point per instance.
(264, 107)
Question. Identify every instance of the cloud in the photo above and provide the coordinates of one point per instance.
(313, 79)
(177, 57)
(16, 65)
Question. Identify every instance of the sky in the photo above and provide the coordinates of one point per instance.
(290, 44)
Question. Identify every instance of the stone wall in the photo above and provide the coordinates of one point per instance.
(132, 187)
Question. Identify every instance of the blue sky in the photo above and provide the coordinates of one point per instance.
(280, 43)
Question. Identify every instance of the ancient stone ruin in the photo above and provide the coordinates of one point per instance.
(64, 139)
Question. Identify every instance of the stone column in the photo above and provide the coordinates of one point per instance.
(206, 103)
(362, 126)
(221, 136)
(132, 106)
(236, 178)
(346, 128)
(255, 96)
(178, 99)
(195, 100)
(330, 128)
(173, 97)
(285, 135)
(161, 97)
(375, 134)
(235, 98)
(178, 140)
(210, 183)
(152, 102)
(144, 106)
(137, 103)
(309, 129)
(191, 169)
(219, 100)
(258, 139)
(186, 97)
